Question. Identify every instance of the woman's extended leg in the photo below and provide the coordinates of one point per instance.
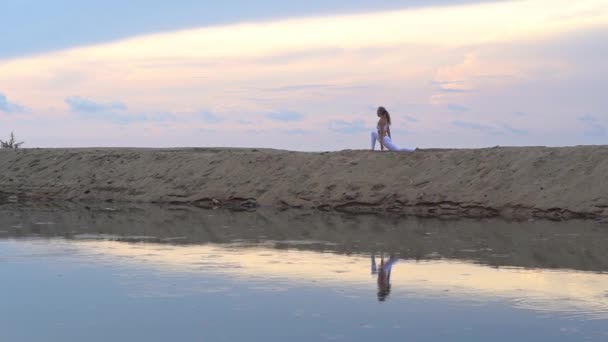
(392, 147)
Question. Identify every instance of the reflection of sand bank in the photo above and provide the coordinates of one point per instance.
(576, 293)
(578, 245)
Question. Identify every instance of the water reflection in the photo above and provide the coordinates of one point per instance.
(556, 267)
(383, 275)
(577, 245)
(573, 293)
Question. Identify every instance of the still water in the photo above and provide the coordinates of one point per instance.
(105, 273)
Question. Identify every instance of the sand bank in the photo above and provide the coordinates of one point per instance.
(523, 182)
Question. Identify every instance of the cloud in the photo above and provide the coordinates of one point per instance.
(211, 118)
(286, 116)
(443, 26)
(457, 108)
(520, 113)
(489, 128)
(473, 126)
(297, 131)
(410, 118)
(256, 131)
(10, 107)
(206, 131)
(588, 119)
(56, 19)
(514, 130)
(117, 118)
(115, 112)
(452, 90)
(298, 87)
(348, 127)
(593, 126)
(81, 104)
(127, 118)
(444, 84)
(158, 117)
(596, 131)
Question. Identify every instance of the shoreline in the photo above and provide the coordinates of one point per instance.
(556, 183)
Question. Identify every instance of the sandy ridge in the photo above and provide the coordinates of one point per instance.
(519, 182)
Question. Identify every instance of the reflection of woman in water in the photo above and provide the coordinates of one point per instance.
(384, 275)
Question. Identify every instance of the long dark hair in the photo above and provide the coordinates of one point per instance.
(383, 111)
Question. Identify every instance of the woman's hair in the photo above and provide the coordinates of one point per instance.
(383, 111)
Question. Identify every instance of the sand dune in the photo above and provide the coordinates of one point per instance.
(522, 182)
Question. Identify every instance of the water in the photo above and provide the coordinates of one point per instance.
(106, 273)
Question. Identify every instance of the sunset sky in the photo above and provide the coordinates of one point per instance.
(303, 75)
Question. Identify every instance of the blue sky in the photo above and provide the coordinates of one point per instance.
(303, 75)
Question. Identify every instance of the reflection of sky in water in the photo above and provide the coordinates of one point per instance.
(106, 290)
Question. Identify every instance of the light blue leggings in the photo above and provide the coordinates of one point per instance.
(389, 144)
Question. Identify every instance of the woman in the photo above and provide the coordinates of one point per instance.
(383, 133)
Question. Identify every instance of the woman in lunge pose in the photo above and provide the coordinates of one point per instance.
(383, 133)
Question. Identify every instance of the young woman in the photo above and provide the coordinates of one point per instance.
(383, 133)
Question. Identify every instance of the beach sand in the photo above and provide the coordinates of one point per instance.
(509, 182)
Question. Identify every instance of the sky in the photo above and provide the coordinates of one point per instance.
(303, 75)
